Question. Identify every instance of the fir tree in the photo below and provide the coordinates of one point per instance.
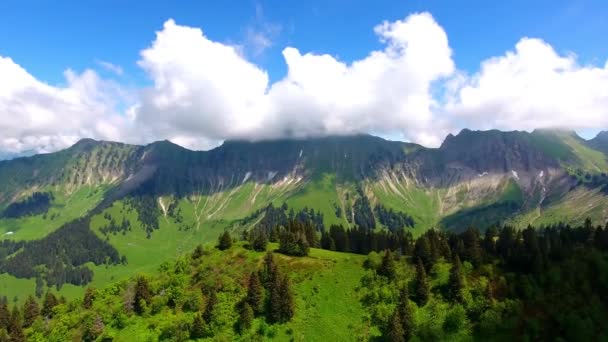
(422, 251)
(245, 317)
(455, 282)
(198, 328)
(387, 267)
(255, 293)
(50, 302)
(225, 241)
(31, 311)
(405, 314)
(394, 331)
(422, 285)
(287, 299)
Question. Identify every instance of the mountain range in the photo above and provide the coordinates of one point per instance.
(156, 201)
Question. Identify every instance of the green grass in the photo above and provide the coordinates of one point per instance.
(65, 208)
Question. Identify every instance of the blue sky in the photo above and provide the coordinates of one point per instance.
(46, 37)
(101, 43)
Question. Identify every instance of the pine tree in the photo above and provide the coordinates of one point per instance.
(405, 314)
(211, 303)
(423, 290)
(259, 241)
(269, 271)
(142, 295)
(255, 293)
(31, 311)
(89, 297)
(198, 328)
(388, 268)
(422, 251)
(455, 282)
(275, 302)
(225, 241)
(245, 317)
(394, 331)
(5, 315)
(15, 328)
(50, 302)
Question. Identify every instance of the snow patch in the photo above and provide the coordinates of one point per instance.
(515, 175)
(301, 151)
(9, 233)
(247, 175)
(541, 174)
(485, 173)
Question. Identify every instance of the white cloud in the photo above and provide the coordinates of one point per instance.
(45, 118)
(207, 89)
(533, 87)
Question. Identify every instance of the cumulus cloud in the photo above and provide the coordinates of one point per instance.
(533, 87)
(40, 117)
(203, 92)
(207, 89)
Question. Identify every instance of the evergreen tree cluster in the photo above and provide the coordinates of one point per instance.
(393, 220)
(297, 237)
(275, 217)
(363, 241)
(364, 217)
(147, 212)
(36, 204)
(113, 228)
(62, 254)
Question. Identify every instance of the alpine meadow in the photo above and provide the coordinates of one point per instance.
(225, 186)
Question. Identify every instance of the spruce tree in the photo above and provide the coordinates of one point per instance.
(394, 331)
(198, 328)
(422, 251)
(225, 241)
(405, 314)
(255, 293)
(245, 317)
(455, 282)
(387, 267)
(50, 302)
(31, 311)
(423, 290)
(275, 302)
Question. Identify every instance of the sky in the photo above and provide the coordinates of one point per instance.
(200, 72)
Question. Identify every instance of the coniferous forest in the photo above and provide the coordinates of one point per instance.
(540, 283)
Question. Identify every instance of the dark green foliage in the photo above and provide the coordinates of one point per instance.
(258, 240)
(255, 293)
(36, 204)
(405, 314)
(364, 217)
(198, 252)
(31, 311)
(282, 302)
(63, 254)
(224, 241)
(49, 303)
(245, 317)
(210, 306)
(297, 238)
(198, 328)
(422, 252)
(15, 328)
(93, 329)
(387, 267)
(5, 315)
(142, 296)
(147, 211)
(394, 331)
(393, 220)
(456, 282)
(363, 241)
(275, 217)
(421, 285)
